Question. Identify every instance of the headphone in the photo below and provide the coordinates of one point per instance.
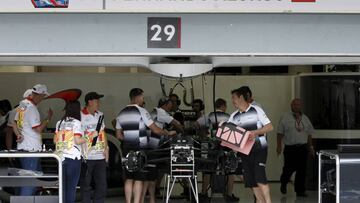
(199, 101)
(163, 101)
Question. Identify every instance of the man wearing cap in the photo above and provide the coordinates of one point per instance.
(29, 128)
(132, 125)
(95, 151)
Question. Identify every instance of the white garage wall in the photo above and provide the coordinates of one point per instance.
(272, 92)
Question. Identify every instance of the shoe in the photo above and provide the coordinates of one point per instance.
(283, 189)
(231, 198)
(303, 194)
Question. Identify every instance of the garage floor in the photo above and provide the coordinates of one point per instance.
(246, 196)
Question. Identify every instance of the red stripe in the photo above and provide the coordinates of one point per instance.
(33, 2)
(179, 33)
(36, 126)
(54, 3)
(303, 0)
(78, 134)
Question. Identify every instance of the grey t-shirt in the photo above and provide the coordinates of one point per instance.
(295, 132)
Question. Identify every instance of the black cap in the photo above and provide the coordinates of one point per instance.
(92, 95)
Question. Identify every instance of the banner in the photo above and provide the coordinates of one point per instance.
(183, 6)
(50, 5)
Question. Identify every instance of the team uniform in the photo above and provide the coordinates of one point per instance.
(66, 131)
(214, 118)
(253, 164)
(94, 155)
(162, 120)
(27, 118)
(134, 121)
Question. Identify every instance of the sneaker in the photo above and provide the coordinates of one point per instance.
(283, 189)
(231, 198)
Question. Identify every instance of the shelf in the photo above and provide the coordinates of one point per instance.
(46, 176)
(20, 182)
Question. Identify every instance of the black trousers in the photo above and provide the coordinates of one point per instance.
(295, 158)
(95, 170)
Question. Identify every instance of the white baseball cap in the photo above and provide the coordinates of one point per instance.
(40, 89)
(27, 93)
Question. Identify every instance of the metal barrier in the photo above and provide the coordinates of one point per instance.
(6, 180)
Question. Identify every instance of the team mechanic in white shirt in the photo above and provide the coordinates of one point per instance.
(132, 125)
(29, 127)
(253, 119)
(96, 150)
(163, 120)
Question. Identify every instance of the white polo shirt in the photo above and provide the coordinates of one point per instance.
(161, 118)
(293, 136)
(27, 118)
(89, 123)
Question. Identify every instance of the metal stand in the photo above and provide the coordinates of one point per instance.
(182, 166)
(338, 176)
(324, 186)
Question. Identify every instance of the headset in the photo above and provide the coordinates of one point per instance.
(163, 101)
(199, 101)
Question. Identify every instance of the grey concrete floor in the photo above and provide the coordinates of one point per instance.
(245, 196)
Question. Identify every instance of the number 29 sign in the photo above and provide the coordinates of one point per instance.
(164, 32)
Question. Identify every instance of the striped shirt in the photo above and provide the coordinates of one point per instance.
(134, 121)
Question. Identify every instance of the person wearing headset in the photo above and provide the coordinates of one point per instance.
(201, 124)
(163, 120)
(175, 111)
(294, 131)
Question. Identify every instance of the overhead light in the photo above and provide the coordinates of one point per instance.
(180, 70)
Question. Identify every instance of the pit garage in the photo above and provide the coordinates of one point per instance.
(198, 50)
